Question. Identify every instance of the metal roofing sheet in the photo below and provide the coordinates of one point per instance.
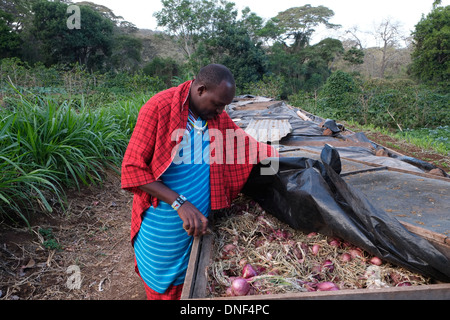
(268, 130)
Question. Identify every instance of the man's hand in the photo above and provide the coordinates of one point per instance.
(194, 222)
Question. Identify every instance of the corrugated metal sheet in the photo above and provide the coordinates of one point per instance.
(268, 130)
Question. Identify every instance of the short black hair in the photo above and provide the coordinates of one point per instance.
(214, 74)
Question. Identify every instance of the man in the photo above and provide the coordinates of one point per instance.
(174, 165)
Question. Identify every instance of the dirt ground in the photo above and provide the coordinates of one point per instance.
(91, 257)
(93, 235)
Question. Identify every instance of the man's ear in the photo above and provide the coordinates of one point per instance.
(201, 89)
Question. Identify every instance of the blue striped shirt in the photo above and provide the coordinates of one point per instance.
(162, 247)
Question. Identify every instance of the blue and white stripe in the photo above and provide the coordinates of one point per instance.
(162, 247)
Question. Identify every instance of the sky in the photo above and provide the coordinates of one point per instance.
(363, 14)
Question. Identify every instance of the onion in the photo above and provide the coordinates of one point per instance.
(356, 253)
(282, 234)
(328, 265)
(346, 257)
(376, 261)
(404, 284)
(315, 249)
(334, 242)
(326, 286)
(248, 271)
(312, 234)
(298, 254)
(240, 287)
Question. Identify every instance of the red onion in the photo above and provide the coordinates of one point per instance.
(404, 284)
(346, 257)
(316, 269)
(315, 249)
(376, 261)
(298, 254)
(356, 253)
(311, 234)
(328, 265)
(282, 234)
(248, 271)
(326, 286)
(240, 287)
(334, 242)
(346, 244)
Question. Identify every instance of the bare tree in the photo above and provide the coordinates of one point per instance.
(355, 38)
(389, 34)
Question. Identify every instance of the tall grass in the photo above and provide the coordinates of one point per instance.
(47, 147)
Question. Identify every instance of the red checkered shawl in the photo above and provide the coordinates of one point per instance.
(150, 151)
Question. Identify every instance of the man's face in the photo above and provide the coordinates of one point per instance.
(208, 103)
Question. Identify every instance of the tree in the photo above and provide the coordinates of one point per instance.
(163, 68)
(233, 47)
(186, 20)
(431, 41)
(299, 23)
(126, 53)
(9, 40)
(209, 31)
(88, 46)
(389, 34)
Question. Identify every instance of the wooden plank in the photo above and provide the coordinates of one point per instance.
(438, 240)
(424, 292)
(201, 277)
(191, 271)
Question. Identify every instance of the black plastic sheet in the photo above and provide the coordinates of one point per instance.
(309, 195)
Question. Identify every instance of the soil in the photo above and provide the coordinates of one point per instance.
(92, 234)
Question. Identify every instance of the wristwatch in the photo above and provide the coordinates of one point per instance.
(178, 202)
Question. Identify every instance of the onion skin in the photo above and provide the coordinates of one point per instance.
(240, 287)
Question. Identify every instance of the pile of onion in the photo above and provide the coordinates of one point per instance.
(257, 254)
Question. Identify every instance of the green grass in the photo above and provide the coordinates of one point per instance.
(47, 147)
(437, 139)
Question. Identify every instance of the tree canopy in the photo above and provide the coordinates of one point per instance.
(431, 55)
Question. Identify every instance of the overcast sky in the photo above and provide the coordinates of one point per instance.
(363, 14)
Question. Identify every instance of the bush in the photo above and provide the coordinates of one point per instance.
(394, 104)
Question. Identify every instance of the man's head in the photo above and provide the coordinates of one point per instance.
(213, 88)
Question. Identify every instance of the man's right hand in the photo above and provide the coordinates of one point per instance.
(194, 222)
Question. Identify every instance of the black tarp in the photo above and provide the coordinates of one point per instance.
(309, 195)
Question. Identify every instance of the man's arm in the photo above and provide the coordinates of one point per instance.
(194, 222)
